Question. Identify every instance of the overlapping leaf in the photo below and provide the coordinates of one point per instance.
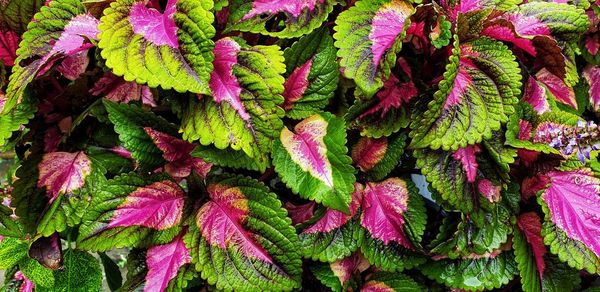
(312, 161)
(172, 49)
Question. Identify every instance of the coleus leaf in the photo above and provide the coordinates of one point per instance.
(173, 49)
(244, 115)
(529, 250)
(63, 172)
(562, 92)
(81, 272)
(61, 29)
(571, 202)
(447, 176)
(9, 42)
(480, 87)
(174, 254)
(592, 76)
(385, 245)
(473, 274)
(178, 155)
(300, 213)
(535, 95)
(16, 14)
(47, 251)
(278, 18)
(344, 269)
(243, 228)
(335, 235)
(12, 120)
(129, 122)
(368, 36)
(116, 89)
(564, 21)
(312, 161)
(312, 74)
(385, 281)
(378, 157)
(130, 211)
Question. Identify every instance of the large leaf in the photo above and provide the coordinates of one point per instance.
(129, 122)
(60, 29)
(565, 21)
(335, 235)
(312, 74)
(130, 211)
(63, 172)
(572, 204)
(244, 114)
(171, 49)
(368, 36)
(279, 18)
(480, 87)
(312, 161)
(242, 238)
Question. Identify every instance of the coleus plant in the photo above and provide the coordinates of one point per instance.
(279, 145)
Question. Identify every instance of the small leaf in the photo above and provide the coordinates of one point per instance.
(557, 87)
(300, 213)
(346, 268)
(312, 161)
(592, 76)
(9, 42)
(164, 262)
(171, 50)
(47, 251)
(535, 95)
(244, 228)
(63, 172)
(368, 36)
(385, 281)
(116, 89)
(292, 18)
(312, 74)
(378, 157)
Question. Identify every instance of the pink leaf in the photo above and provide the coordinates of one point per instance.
(532, 185)
(116, 89)
(291, 7)
(467, 157)
(574, 202)
(393, 95)
(296, 84)
(387, 25)
(164, 262)
(561, 91)
(376, 286)
(461, 82)
(384, 205)
(158, 28)
(592, 44)
(535, 95)
(223, 84)
(63, 172)
(346, 267)
(301, 213)
(177, 153)
(158, 206)
(307, 148)
(368, 152)
(9, 43)
(592, 75)
(489, 190)
(334, 219)
(222, 219)
(72, 39)
(529, 223)
(74, 65)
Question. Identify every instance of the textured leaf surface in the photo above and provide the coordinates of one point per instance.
(335, 235)
(9, 42)
(291, 18)
(312, 161)
(63, 172)
(312, 74)
(129, 211)
(164, 262)
(61, 29)
(473, 274)
(592, 76)
(368, 36)
(385, 281)
(242, 238)
(528, 262)
(173, 53)
(251, 124)
(480, 87)
(574, 205)
(12, 120)
(378, 157)
(82, 272)
(564, 21)
(18, 13)
(129, 122)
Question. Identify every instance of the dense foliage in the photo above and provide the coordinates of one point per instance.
(372, 145)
